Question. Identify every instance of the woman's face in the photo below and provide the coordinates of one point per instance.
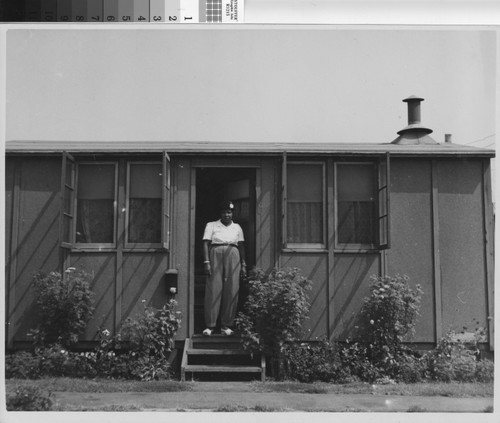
(226, 216)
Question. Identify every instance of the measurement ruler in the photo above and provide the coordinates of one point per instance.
(155, 11)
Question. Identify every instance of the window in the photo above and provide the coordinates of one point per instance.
(95, 205)
(144, 211)
(362, 204)
(94, 192)
(303, 205)
(356, 204)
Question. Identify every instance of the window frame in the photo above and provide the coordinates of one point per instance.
(303, 246)
(67, 216)
(139, 245)
(166, 201)
(381, 195)
(96, 245)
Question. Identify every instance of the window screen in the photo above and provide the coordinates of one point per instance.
(356, 204)
(145, 203)
(305, 204)
(95, 221)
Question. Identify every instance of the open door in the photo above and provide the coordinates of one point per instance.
(212, 186)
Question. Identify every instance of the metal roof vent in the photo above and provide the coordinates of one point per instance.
(414, 133)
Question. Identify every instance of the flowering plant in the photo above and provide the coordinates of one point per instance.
(274, 312)
(65, 305)
(388, 317)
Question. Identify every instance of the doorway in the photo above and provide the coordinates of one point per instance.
(212, 186)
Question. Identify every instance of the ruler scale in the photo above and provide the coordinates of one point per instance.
(64, 10)
(125, 10)
(79, 10)
(49, 10)
(33, 10)
(110, 11)
(157, 10)
(94, 10)
(141, 11)
(172, 11)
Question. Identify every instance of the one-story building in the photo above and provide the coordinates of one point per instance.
(132, 214)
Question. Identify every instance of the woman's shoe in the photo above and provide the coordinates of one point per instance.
(207, 332)
(226, 331)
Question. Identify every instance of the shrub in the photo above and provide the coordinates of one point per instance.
(485, 370)
(386, 320)
(64, 306)
(354, 357)
(152, 333)
(22, 365)
(388, 315)
(456, 359)
(317, 361)
(274, 312)
(148, 338)
(29, 398)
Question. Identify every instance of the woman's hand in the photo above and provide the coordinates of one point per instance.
(243, 271)
(208, 269)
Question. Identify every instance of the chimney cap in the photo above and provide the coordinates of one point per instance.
(414, 132)
(413, 98)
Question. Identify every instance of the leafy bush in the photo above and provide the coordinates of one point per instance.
(64, 306)
(388, 315)
(354, 357)
(29, 398)
(485, 370)
(457, 359)
(386, 320)
(22, 365)
(149, 338)
(310, 362)
(152, 333)
(274, 312)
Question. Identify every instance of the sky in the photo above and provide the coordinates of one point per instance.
(252, 83)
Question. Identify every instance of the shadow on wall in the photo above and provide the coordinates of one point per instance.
(352, 276)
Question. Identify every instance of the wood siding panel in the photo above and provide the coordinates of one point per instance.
(411, 251)
(37, 237)
(103, 268)
(265, 216)
(10, 169)
(315, 268)
(350, 286)
(143, 280)
(181, 239)
(10, 236)
(461, 224)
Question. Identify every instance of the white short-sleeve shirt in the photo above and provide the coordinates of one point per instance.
(218, 233)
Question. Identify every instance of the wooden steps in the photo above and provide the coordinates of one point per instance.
(219, 354)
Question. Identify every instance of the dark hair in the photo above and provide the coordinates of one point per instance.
(226, 205)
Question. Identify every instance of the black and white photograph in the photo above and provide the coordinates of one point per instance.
(244, 218)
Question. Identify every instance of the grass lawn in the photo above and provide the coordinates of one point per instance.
(89, 392)
(454, 389)
(67, 384)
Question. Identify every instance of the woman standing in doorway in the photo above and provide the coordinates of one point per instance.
(224, 255)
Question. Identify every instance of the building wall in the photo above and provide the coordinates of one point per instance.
(461, 244)
(437, 236)
(411, 251)
(33, 235)
(102, 266)
(351, 278)
(314, 266)
(181, 245)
